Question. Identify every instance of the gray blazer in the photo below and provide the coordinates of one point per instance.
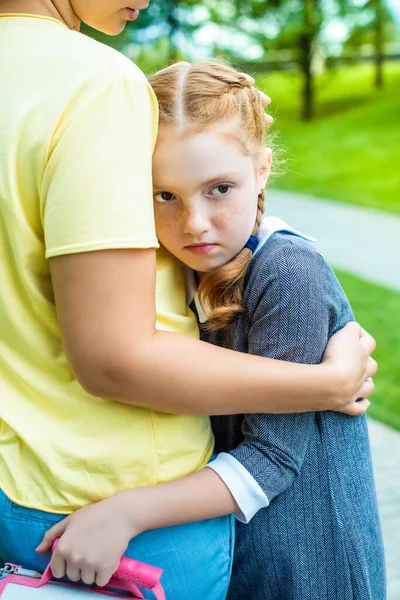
(320, 537)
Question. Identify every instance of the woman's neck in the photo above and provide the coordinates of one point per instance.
(56, 9)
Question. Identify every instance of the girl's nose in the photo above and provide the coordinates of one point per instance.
(195, 221)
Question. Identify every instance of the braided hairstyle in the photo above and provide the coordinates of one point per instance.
(194, 98)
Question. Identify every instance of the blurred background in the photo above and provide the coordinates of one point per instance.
(332, 69)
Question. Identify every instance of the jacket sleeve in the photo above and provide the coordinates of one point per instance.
(291, 311)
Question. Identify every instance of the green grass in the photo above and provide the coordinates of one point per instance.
(351, 151)
(378, 310)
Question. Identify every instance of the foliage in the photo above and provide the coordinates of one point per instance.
(362, 34)
(290, 30)
(351, 151)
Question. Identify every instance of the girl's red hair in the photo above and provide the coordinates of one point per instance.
(195, 97)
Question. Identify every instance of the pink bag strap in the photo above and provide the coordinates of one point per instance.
(129, 575)
(132, 573)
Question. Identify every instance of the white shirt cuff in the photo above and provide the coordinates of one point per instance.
(244, 488)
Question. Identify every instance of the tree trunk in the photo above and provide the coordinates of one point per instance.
(306, 43)
(378, 44)
(173, 25)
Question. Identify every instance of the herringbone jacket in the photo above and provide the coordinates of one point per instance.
(320, 537)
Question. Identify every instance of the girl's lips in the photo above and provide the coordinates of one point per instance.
(201, 248)
(133, 14)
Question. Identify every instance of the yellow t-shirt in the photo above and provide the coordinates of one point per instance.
(77, 128)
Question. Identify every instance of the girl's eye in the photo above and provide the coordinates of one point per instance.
(221, 190)
(163, 197)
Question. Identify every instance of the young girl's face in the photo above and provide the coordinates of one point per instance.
(205, 195)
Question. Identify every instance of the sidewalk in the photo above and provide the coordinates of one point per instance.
(363, 241)
(367, 243)
(385, 446)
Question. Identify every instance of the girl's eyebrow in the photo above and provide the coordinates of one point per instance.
(161, 188)
(222, 177)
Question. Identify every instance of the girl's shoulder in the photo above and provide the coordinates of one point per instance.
(287, 265)
(282, 253)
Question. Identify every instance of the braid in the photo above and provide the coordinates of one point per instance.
(237, 81)
(221, 290)
(260, 212)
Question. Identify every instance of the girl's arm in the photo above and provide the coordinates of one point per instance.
(94, 538)
(300, 297)
(106, 311)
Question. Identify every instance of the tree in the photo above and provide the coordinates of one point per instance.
(375, 32)
(164, 24)
(380, 26)
(298, 25)
(378, 10)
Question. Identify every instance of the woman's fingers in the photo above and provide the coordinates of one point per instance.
(265, 100)
(368, 341)
(371, 368)
(357, 408)
(366, 389)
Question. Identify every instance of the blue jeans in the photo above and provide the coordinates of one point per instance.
(196, 557)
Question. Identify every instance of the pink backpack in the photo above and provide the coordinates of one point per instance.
(17, 583)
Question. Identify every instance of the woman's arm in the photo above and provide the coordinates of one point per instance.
(96, 196)
(106, 311)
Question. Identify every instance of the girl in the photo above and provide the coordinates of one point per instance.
(83, 368)
(272, 296)
(317, 535)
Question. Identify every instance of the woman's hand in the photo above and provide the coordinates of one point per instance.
(92, 541)
(265, 100)
(349, 353)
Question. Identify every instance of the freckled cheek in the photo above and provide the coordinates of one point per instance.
(167, 227)
(222, 221)
(233, 218)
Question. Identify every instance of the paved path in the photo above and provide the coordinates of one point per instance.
(385, 446)
(367, 243)
(363, 241)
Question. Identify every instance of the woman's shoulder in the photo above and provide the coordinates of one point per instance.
(81, 58)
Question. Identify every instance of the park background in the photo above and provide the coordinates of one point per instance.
(332, 69)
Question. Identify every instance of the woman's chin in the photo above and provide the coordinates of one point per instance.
(110, 28)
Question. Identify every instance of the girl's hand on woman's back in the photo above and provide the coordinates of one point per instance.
(349, 351)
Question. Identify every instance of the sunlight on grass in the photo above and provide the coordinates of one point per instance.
(351, 151)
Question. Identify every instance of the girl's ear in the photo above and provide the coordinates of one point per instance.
(264, 169)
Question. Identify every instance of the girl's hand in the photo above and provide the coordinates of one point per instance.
(92, 541)
(349, 353)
